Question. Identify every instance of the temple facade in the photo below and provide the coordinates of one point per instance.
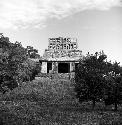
(62, 55)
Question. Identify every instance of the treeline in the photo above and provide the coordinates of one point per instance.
(15, 64)
(97, 79)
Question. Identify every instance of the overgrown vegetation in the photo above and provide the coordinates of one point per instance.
(53, 101)
(15, 65)
(48, 101)
(96, 80)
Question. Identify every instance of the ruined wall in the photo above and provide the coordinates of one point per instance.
(62, 47)
(61, 50)
(44, 67)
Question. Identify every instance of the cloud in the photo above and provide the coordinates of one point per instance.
(34, 13)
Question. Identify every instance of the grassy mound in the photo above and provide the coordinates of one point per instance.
(44, 91)
(34, 104)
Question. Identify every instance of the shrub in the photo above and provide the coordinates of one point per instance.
(45, 92)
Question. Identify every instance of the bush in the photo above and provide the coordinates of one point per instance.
(45, 92)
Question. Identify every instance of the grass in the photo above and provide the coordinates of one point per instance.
(24, 106)
(30, 113)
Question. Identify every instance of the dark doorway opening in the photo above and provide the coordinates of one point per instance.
(63, 67)
(76, 66)
(40, 62)
(49, 67)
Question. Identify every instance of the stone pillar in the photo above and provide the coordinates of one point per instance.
(72, 66)
(55, 67)
(44, 67)
(55, 70)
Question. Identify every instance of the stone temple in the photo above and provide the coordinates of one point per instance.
(62, 56)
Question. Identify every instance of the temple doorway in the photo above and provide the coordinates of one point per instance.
(49, 67)
(63, 67)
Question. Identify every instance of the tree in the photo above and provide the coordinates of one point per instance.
(17, 56)
(96, 79)
(113, 86)
(29, 70)
(89, 78)
(4, 53)
(15, 65)
(32, 53)
(11, 57)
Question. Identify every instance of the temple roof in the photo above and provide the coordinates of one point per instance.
(62, 49)
(69, 59)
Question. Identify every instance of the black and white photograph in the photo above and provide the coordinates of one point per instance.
(60, 62)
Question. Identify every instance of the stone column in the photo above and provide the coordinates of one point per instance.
(72, 66)
(55, 67)
(55, 70)
(44, 67)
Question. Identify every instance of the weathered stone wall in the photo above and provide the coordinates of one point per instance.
(61, 50)
(44, 67)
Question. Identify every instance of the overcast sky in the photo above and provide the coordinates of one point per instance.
(97, 24)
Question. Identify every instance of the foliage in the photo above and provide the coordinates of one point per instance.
(32, 53)
(29, 70)
(113, 86)
(9, 62)
(26, 107)
(13, 71)
(98, 79)
(89, 78)
(44, 92)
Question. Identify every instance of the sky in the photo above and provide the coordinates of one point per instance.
(97, 24)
